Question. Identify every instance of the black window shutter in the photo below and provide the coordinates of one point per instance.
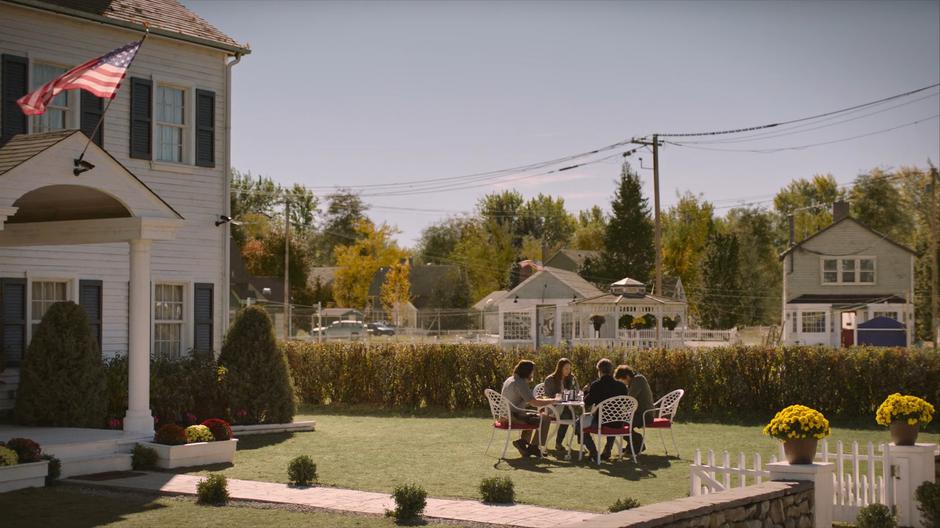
(14, 81)
(13, 320)
(92, 108)
(89, 297)
(202, 317)
(141, 115)
(205, 128)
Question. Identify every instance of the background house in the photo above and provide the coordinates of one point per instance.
(432, 288)
(842, 277)
(488, 308)
(571, 259)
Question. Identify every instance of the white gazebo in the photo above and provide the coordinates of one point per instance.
(43, 202)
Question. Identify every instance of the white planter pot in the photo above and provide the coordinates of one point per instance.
(31, 475)
(198, 454)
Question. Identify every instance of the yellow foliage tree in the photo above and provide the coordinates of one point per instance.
(396, 291)
(359, 261)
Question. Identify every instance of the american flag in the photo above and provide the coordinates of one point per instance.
(101, 76)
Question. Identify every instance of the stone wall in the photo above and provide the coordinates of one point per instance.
(766, 505)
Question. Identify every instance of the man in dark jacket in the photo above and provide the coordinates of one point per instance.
(604, 387)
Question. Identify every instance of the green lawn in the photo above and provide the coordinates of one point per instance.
(67, 507)
(374, 451)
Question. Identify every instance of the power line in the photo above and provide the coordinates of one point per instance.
(801, 119)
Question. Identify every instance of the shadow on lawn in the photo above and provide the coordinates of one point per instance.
(62, 506)
(262, 440)
(618, 468)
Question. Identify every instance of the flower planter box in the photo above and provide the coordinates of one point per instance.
(197, 454)
(31, 475)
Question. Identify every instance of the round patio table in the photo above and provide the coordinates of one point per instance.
(577, 409)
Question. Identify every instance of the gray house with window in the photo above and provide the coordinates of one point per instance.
(843, 276)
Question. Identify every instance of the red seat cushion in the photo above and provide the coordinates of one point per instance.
(660, 423)
(608, 430)
(515, 426)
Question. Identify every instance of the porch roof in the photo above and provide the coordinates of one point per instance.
(848, 299)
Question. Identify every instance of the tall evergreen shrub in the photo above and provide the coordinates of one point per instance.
(257, 381)
(62, 377)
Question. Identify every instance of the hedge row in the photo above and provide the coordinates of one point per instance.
(719, 382)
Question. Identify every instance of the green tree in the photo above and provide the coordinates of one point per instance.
(589, 233)
(343, 215)
(502, 209)
(920, 195)
(810, 203)
(256, 382)
(486, 252)
(438, 240)
(545, 219)
(877, 202)
(358, 262)
(628, 240)
(759, 266)
(686, 227)
(62, 378)
(718, 300)
(250, 195)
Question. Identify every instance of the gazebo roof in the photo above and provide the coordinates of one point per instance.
(609, 298)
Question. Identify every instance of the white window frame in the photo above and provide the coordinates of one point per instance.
(824, 326)
(893, 314)
(857, 270)
(72, 100)
(516, 326)
(70, 295)
(186, 134)
(185, 323)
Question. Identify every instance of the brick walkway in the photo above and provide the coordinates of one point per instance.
(343, 500)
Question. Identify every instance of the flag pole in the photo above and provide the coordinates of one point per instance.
(80, 164)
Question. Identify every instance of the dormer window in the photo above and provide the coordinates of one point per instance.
(848, 270)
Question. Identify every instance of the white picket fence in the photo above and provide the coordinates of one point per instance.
(861, 477)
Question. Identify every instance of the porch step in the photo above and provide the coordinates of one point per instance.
(87, 465)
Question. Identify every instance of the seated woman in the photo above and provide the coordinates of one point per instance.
(561, 379)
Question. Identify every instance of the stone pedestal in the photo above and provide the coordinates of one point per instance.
(820, 474)
(914, 465)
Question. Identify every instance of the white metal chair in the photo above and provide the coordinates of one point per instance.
(663, 415)
(556, 417)
(502, 420)
(609, 412)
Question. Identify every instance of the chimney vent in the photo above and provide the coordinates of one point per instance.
(840, 210)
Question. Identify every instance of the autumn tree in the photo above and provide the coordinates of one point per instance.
(486, 252)
(340, 226)
(396, 290)
(359, 261)
(686, 227)
(589, 233)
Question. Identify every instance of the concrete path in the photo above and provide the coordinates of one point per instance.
(343, 500)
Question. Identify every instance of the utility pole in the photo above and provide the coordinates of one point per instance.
(657, 236)
(932, 225)
(286, 268)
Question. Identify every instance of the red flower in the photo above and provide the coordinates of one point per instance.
(221, 430)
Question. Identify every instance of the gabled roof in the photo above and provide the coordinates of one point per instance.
(491, 300)
(847, 298)
(570, 279)
(167, 18)
(846, 219)
(23, 147)
(339, 312)
(578, 256)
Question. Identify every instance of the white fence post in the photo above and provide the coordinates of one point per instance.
(913, 465)
(820, 474)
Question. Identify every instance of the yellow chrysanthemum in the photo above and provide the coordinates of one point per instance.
(899, 407)
(796, 422)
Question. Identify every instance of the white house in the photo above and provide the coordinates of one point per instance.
(140, 240)
(837, 282)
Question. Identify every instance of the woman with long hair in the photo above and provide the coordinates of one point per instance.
(561, 379)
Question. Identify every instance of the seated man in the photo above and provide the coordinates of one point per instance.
(604, 387)
(639, 388)
(516, 389)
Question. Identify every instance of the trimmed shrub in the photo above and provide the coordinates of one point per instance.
(55, 469)
(198, 433)
(257, 379)
(453, 376)
(410, 500)
(143, 458)
(62, 377)
(221, 430)
(875, 516)
(212, 490)
(170, 434)
(26, 450)
(8, 457)
(498, 490)
(626, 503)
(301, 471)
(928, 502)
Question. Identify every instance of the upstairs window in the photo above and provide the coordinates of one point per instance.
(56, 116)
(170, 124)
(854, 270)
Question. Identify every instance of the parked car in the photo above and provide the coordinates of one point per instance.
(380, 328)
(351, 330)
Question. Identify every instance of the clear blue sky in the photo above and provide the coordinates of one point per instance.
(353, 93)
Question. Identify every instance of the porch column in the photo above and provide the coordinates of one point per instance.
(138, 419)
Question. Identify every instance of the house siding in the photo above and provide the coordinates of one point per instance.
(893, 264)
(197, 193)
